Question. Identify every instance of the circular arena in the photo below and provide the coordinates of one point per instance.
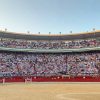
(50, 67)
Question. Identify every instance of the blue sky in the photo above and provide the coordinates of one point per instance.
(50, 15)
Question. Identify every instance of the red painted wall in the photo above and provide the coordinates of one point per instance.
(53, 79)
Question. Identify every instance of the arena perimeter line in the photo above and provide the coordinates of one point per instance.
(81, 93)
(50, 83)
(65, 96)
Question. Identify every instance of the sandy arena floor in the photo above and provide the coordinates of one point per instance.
(50, 91)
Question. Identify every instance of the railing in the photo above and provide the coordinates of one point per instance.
(49, 50)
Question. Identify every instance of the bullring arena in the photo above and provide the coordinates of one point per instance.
(50, 67)
(50, 91)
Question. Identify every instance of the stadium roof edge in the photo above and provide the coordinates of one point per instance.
(20, 33)
(6, 34)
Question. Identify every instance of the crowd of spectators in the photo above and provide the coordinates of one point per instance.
(24, 44)
(84, 64)
(78, 64)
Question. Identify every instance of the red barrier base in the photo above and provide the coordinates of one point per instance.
(52, 79)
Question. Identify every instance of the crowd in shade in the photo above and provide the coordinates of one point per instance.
(24, 44)
(22, 64)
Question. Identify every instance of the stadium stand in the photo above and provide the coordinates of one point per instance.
(49, 58)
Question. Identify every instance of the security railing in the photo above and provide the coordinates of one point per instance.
(49, 50)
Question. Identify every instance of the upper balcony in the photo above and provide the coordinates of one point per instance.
(50, 43)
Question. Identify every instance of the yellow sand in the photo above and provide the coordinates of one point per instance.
(50, 91)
